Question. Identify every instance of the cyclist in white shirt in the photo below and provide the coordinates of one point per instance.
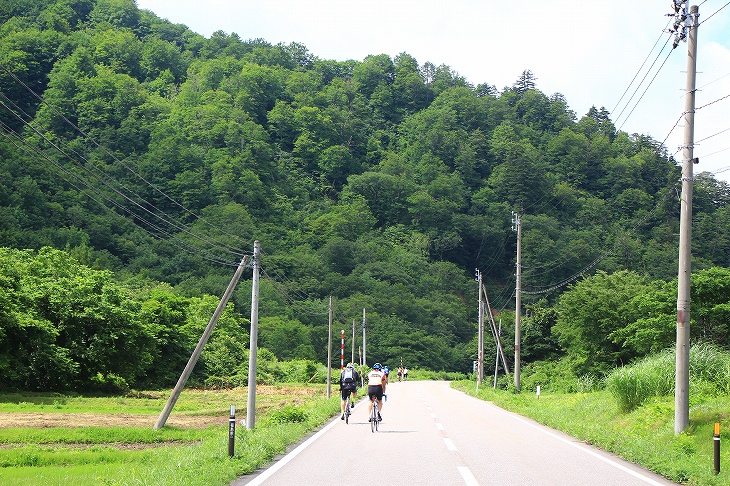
(376, 387)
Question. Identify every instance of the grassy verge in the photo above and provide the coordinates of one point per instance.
(120, 454)
(644, 435)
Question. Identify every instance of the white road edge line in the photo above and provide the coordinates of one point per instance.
(439, 426)
(581, 447)
(450, 444)
(284, 460)
(469, 478)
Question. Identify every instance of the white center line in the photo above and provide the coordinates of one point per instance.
(439, 426)
(449, 444)
(469, 478)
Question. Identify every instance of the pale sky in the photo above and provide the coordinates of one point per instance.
(588, 50)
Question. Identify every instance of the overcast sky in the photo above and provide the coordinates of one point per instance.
(591, 51)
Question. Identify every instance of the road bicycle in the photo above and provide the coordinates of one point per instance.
(347, 408)
(374, 415)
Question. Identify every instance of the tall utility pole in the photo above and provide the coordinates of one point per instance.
(253, 346)
(352, 359)
(364, 356)
(329, 350)
(480, 325)
(681, 390)
(517, 222)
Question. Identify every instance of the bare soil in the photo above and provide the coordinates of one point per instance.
(269, 397)
(47, 420)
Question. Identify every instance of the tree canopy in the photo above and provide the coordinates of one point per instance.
(148, 153)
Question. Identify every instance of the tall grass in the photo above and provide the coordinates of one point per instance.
(654, 376)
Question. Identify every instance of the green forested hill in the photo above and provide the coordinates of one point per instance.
(148, 151)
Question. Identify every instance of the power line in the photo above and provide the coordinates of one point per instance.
(713, 14)
(605, 254)
(645, 90)
(108, 182)
(62, 172)
(641, 67)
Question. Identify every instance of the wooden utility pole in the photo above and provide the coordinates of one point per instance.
(352, 359)
(329, 350)
(199, 348)
(681, 390)
(480, 344)
(518, 296)
(253, 343)
(364, 356)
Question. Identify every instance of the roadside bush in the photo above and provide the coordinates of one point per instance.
(302, 371)
(556, 377)
(420, 374)
(654, 376)
(288, 414)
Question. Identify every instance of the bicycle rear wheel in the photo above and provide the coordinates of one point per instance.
(374, 417)
(347, 410)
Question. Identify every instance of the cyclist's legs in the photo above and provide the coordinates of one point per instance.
(343, 394)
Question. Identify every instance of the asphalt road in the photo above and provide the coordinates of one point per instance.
(434, 435)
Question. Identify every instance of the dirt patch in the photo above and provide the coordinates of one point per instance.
(47, 420)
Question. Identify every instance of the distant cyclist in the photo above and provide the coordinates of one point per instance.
(348, 385)
(386, 372)
(376, 387)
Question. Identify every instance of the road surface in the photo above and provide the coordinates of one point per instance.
(434, 435)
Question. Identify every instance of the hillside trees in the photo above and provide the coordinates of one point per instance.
(382, 182)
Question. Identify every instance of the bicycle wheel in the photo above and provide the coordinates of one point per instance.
(347, 410)
(374, 417)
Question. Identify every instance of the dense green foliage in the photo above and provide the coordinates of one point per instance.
(158, 156)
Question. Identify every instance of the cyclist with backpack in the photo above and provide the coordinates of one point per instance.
(348, 384)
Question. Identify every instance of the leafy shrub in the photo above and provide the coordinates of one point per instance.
(288, 414)
(557, 377)
(109, 383)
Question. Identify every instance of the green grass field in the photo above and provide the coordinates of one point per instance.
(48, 440)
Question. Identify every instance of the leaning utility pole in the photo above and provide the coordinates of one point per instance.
(199, 348)
(681, 390)
(495, 333)
(253, 342)
(517, 226)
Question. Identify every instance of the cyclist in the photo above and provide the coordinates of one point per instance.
(376, 387)
(386, 372)
(348, 385)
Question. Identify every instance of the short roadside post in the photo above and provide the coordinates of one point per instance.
(716, 438)
(232, 431)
